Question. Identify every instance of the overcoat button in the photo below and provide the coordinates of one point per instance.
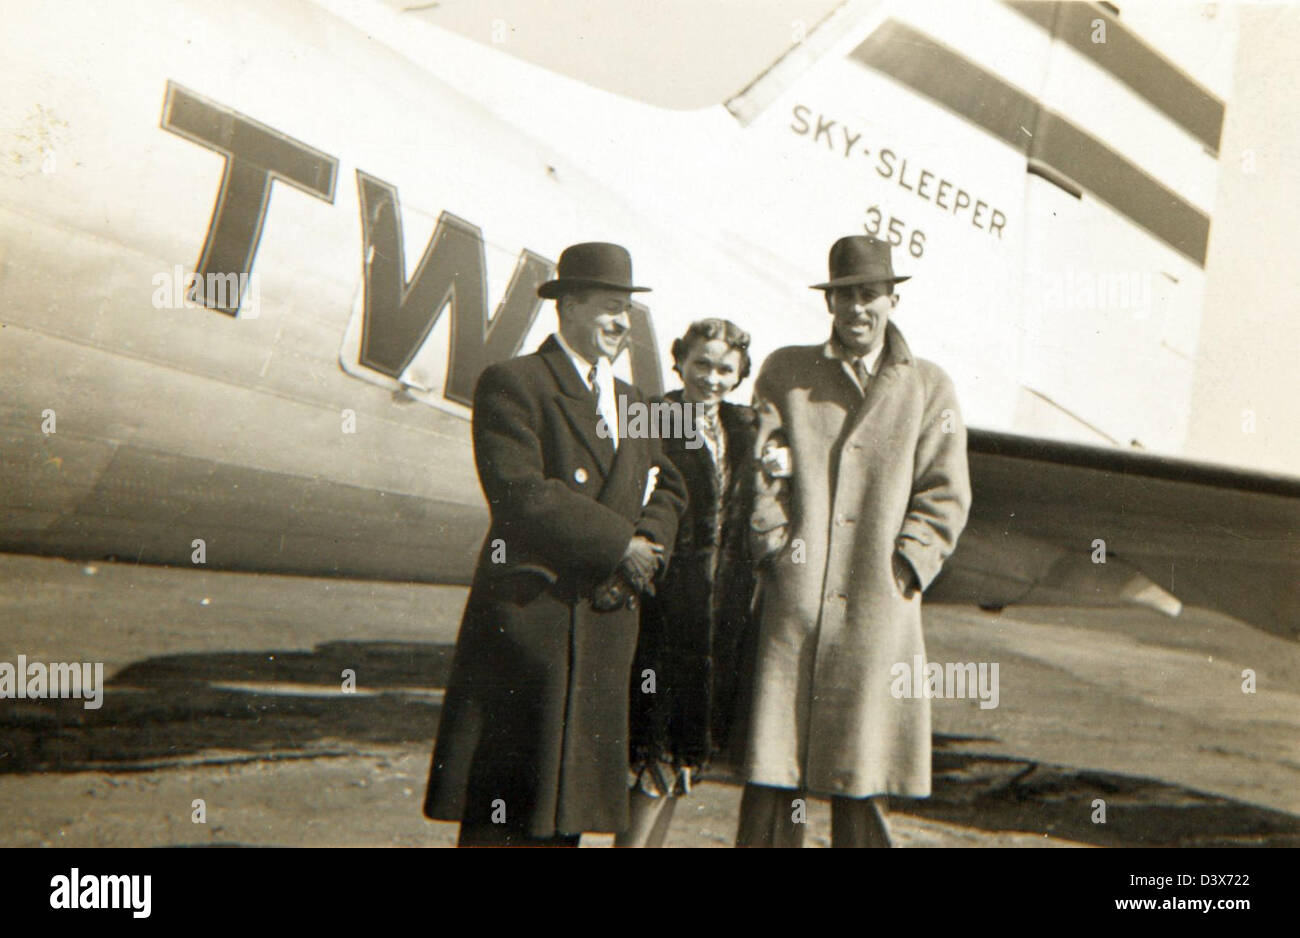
(580, 475)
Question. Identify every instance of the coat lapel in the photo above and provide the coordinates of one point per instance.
(576, 401)
(738, 425)
(843, 376)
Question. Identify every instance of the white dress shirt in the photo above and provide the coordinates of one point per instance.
(606, 404)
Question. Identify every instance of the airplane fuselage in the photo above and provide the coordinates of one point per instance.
(366, 239)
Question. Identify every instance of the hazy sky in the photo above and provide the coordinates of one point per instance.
(673, 53)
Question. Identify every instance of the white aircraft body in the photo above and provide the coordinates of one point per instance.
(368, 202)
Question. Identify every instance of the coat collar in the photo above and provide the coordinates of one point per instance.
(728, 412)
(732, 416)
(895, 352)
(566, 374)
(562, 367)
(737, 422)
(834, 348)
(736, 419)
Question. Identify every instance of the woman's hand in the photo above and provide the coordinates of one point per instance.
(776, 461)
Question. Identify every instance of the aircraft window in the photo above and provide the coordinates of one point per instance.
(681, 54)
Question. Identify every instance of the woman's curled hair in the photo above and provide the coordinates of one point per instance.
(703, 330)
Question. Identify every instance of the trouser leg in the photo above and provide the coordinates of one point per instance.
(859, 822)
(650, 818)
(767, 817)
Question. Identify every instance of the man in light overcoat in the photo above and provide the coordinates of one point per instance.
(878, 495)
(532, 746)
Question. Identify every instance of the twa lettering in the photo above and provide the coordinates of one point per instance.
(397, 316)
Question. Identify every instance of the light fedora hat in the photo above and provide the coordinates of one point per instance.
(860, 259)
(591, 264)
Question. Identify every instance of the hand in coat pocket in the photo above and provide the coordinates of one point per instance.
(904, 576)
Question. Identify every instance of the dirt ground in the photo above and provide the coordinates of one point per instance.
(226, 689)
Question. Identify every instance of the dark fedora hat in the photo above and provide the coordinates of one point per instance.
(860, 259)
(592, 264)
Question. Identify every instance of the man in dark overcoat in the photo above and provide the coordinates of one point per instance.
(532, 745)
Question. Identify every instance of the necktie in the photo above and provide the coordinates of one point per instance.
(860, 369)
(604, 406)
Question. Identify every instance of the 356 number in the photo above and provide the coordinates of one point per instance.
(895, 230)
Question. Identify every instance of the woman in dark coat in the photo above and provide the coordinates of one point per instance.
(695, 632)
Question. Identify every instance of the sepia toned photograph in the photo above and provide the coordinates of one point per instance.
(593, 423)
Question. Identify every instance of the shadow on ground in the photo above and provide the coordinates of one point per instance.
(995, 793)
(273, 704)
(221, 708)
